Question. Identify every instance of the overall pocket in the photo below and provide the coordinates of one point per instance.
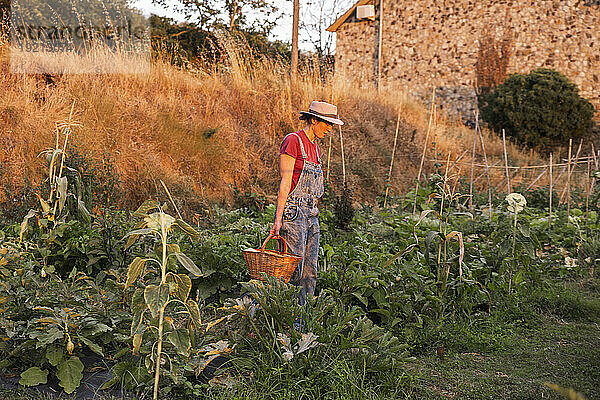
(290, 213)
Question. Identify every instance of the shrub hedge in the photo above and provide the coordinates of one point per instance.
(541, 109)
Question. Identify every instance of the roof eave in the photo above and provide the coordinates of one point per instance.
(338, 22)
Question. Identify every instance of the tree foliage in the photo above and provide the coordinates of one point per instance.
(229, 14)
(539, 109)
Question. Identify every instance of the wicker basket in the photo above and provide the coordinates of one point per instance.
(281, 265)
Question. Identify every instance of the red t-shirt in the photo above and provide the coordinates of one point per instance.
(291, 147)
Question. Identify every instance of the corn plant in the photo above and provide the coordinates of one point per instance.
(51, 211)
(447, 196)
(161, 290)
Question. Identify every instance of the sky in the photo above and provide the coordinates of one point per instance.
(283, 30)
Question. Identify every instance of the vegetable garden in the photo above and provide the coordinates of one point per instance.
(144, 304)
(452, 290)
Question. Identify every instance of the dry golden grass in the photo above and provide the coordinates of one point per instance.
(206, 132)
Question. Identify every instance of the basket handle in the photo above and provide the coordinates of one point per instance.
(276, 237)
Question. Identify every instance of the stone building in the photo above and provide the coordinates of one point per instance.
(428, 44)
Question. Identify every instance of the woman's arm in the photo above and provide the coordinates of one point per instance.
(286, 169)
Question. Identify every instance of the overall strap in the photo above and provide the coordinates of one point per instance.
(318, 153)
(304, 156)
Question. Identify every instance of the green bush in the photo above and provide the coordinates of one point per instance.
(539, 109)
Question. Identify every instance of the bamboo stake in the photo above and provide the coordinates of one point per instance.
(487, 170)
(330, 138)
(562, 195)
(329, 155)
(537, 179)
(587, 190)
(424, 149)
(562, 171)
(484, 172)
(387, 188)
(569, 179)
(457, 160)
(473, 162)
(171, 198)
(343, 159)
(529, 162)
(506, 161)
(596, 167)
(550, 196)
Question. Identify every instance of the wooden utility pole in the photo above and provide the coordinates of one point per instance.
(295, 39)
(379, 49)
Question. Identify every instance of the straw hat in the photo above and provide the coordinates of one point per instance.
(323, 111)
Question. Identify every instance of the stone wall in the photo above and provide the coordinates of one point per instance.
(434, 43)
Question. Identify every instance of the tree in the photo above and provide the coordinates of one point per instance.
(4, 17)
(317, 16)
(181, 43)
(203, 13)
(231, 14)
(237, 11)
(58, 24)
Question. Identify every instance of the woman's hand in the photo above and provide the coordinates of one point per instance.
(275, 229)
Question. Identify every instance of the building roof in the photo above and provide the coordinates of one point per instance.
(335, 26)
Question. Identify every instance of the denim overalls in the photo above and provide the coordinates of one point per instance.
(301, 223)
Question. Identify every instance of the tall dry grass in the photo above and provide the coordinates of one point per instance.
(206, 132)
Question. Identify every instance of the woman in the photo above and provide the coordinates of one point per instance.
(297, 215)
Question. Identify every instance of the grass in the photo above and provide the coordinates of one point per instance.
(559, 345)
(564, 353)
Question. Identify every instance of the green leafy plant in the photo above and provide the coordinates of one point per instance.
(252, 201)
(512, 254)
(297, 338)
(156, 291)
(587, 245)
(61, 319)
